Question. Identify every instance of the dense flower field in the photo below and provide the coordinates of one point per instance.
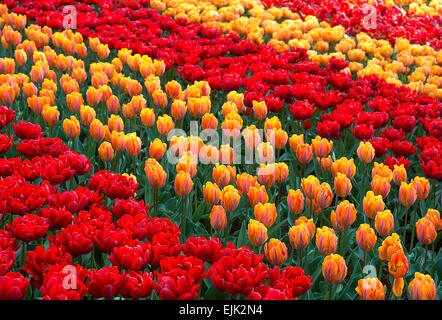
(242, 149)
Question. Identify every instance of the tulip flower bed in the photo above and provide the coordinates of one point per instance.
(148, 157)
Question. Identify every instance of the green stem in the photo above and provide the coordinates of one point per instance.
(413, 226)
(405, 224)
(226, 230)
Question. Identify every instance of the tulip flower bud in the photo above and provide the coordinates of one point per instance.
(426, 232)
(407, 194)
(365, 237)
(266, 153)
(93, 96)
(115, 123)
(334, 268)
(422, 287)
(399, 174)
(226, 154)
(390, 245)
(113, 104)
(295, 201)
(342, 185)
(267, 174)
(147, 116)
(243, 182)
(299, 237)
(71, 127)
(87, 114)
(257, 233)
(96, 130)
(187, 163)
(7, 94)
(304, 153)
(345, 166)
(381, 186)
(230, 198)
(281, 138)
(309, 186)
(372, 204)
(178, 109)
(434, 216)
(237, 99)
(165, 124)
(366, 152)
(159, 98)
(132, 144)
(157, 176)
(381, 170)
(422, 187)
(103, 51)
(50, 115)
(370, 289)
(228, 107)
(218, 219)
(265, 213)
(282, 172)
(221, 175)
(321, 147)
(323, 195)
(257, 194)
(211, 193)
(74, 101)
(209, 121)
(344, 216)
(105, 151)
(259, 110)
(296, 140)
(326, 240)
(384, 223)
(276, 252)
(118, 140)
(325, 163)
(173, 89)
(398, 265)
(157, 149)
(20, 57)
(251, 136)
(183, 183)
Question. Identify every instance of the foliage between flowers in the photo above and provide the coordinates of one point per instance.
(82, 219)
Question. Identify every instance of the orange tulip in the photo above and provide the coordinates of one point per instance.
(407, 194)
(178, 109)
(309, 186)
(334, 269)
(365, 237)
(7, 94)
(326, 240)
(115, 123)
(398, 265)
(295, 201)
(267, 174)
(259, 110)
(87, 114)
(257, 233)
(96, 130)
(366, 152)
(282, 172)
(132, 144)
(399, 174)
(221, 175)
(276, 252)
(422, 287)
(381, 186)
(434, 216)
(230, 198)
(157, 176)
(342, 185)
(345, 166)
(105, 151)
(173, 89)
(251, 136)
(211, 193)
(244, 181)
(344, 216)
(304, 153)
(384, 223)
(325, 163)
(183, 183)
(390, 246)
(118, 140)
(257, 194)
(209, 121)
(265, 213)
(165, 124)
(372, 204)
(299, 237)
(50, 115)
(71, 127)
(370, 289)
(147, 116)
(321, 147)
(426, 232)
(218, 219)
(113, 104)
(296, 140)
(159, 98)
(187, 163)
(422, 187)
(382, 170)
(266, 153)
(237, 99)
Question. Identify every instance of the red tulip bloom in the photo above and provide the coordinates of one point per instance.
(54, 170)
(206, 250)
(392, 134)
(239, 271)
(64, 282)
(28, 170)
(134, 225)
(75, 239)
(113, 185)
(136, 284)
(404, 122)
(7, 260)
(292, 277)
(391, 162)
(39, 260)
(104, 283)
(302, 110)
(380, 145)
(13, 286)
(157, 225)
(129, 206)
(403, 148)
(97, 216)
(164, 245)
(6, 116)
(28, 228)
(193, 266)
(56, 217)
(5, 142)
(26, 130)
(7, 240)
(176, 285)
(133, 255)
(363, 132)
(78, 162)
(328, 129)
(75, 201)
(265, 292)
(107, 238)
